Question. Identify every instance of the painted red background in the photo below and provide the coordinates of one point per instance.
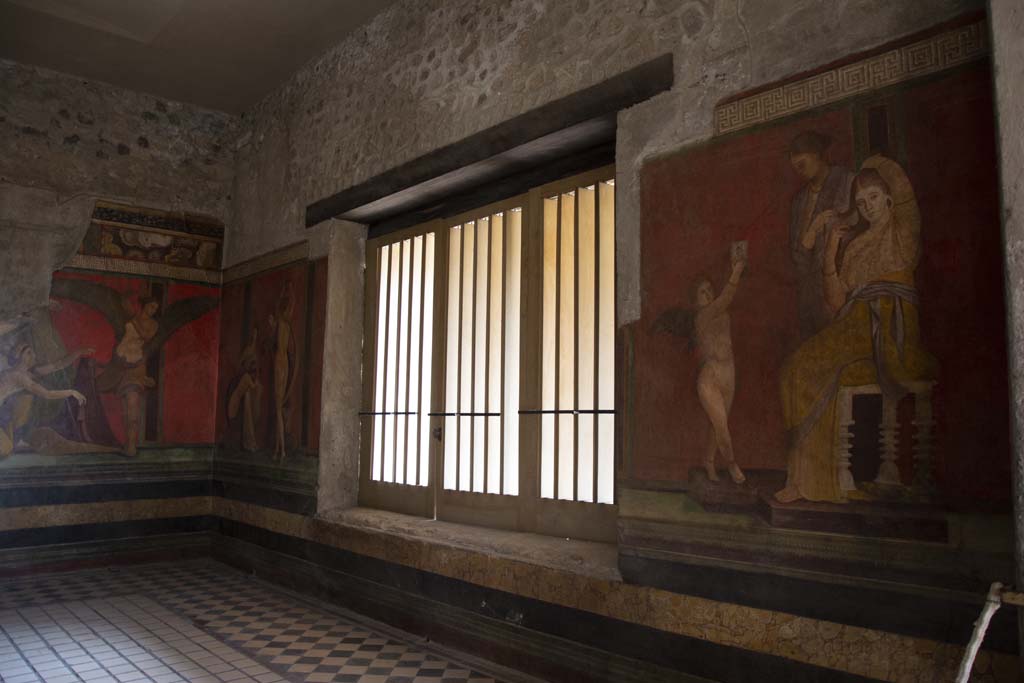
(190, 373)
(189, 360)
(263, 292)
(695, 203)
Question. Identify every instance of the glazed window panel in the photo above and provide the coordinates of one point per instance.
(490, 358)
(577, 349)
(482, 367)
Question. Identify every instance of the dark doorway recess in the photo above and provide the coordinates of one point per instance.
(561, 138)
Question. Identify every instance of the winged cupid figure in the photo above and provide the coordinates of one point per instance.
(707, 327)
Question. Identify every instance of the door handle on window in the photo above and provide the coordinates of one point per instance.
(437, 433)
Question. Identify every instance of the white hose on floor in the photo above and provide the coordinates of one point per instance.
(992, 603)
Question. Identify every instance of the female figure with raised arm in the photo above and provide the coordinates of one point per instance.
(874, 338)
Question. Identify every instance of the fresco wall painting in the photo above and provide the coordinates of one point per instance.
(118, 364)
(271, 353)
(822, 333)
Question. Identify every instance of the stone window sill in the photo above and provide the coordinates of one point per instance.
(585, 558)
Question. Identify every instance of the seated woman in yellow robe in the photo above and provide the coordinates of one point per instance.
(874, 337)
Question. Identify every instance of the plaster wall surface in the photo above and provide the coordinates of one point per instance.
(343, 359)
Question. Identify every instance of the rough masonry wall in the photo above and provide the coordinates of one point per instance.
(1007, 29)
(426, 73)
(73, 137)
(68, 141)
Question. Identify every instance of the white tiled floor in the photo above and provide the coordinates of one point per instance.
(202, 622)
(128, 639)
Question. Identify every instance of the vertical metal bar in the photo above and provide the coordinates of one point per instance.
(421, 410)
(438, 359)
(398, 348)
(501, 396)
(376, 363)
(487, 352)
(458, 375)
(597, 329)
(387, 329)
(576, 356)
(558, 334)
(408, 354)
(472, 351)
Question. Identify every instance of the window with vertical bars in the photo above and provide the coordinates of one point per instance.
(481, 447)
(489, 362)
(402, 372)
(578, 385)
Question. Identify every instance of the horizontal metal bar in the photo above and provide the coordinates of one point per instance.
(392, 412)
(568, 412)
(464, 414)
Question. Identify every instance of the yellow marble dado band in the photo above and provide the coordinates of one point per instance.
(593, 587)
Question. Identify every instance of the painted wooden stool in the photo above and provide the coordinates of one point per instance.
(888, 472)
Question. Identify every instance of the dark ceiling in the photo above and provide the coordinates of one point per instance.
(221, 54)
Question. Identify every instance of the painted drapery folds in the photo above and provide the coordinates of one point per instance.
(268, 410)
(117, 364)
(843, 253)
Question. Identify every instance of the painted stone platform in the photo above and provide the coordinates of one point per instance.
(886, 518)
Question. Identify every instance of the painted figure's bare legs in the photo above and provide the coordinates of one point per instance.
(716, 392)
(131, 406)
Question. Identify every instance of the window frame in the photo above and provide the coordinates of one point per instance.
(526, 511)
(405, 498)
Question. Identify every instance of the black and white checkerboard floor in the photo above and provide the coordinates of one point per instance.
(202, 622)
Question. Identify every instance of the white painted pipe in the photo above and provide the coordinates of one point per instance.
(992, 603)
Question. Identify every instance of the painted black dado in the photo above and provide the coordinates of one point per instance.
(272, 487)
(66, 494)
(265, 496)
(104, 482)
(125, 481)
(80, 533)
(947, 618)
(551, 641)
(105, 553)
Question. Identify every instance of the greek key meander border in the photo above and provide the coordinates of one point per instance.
(939, 52)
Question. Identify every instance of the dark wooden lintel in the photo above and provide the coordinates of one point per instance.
(575, 124)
